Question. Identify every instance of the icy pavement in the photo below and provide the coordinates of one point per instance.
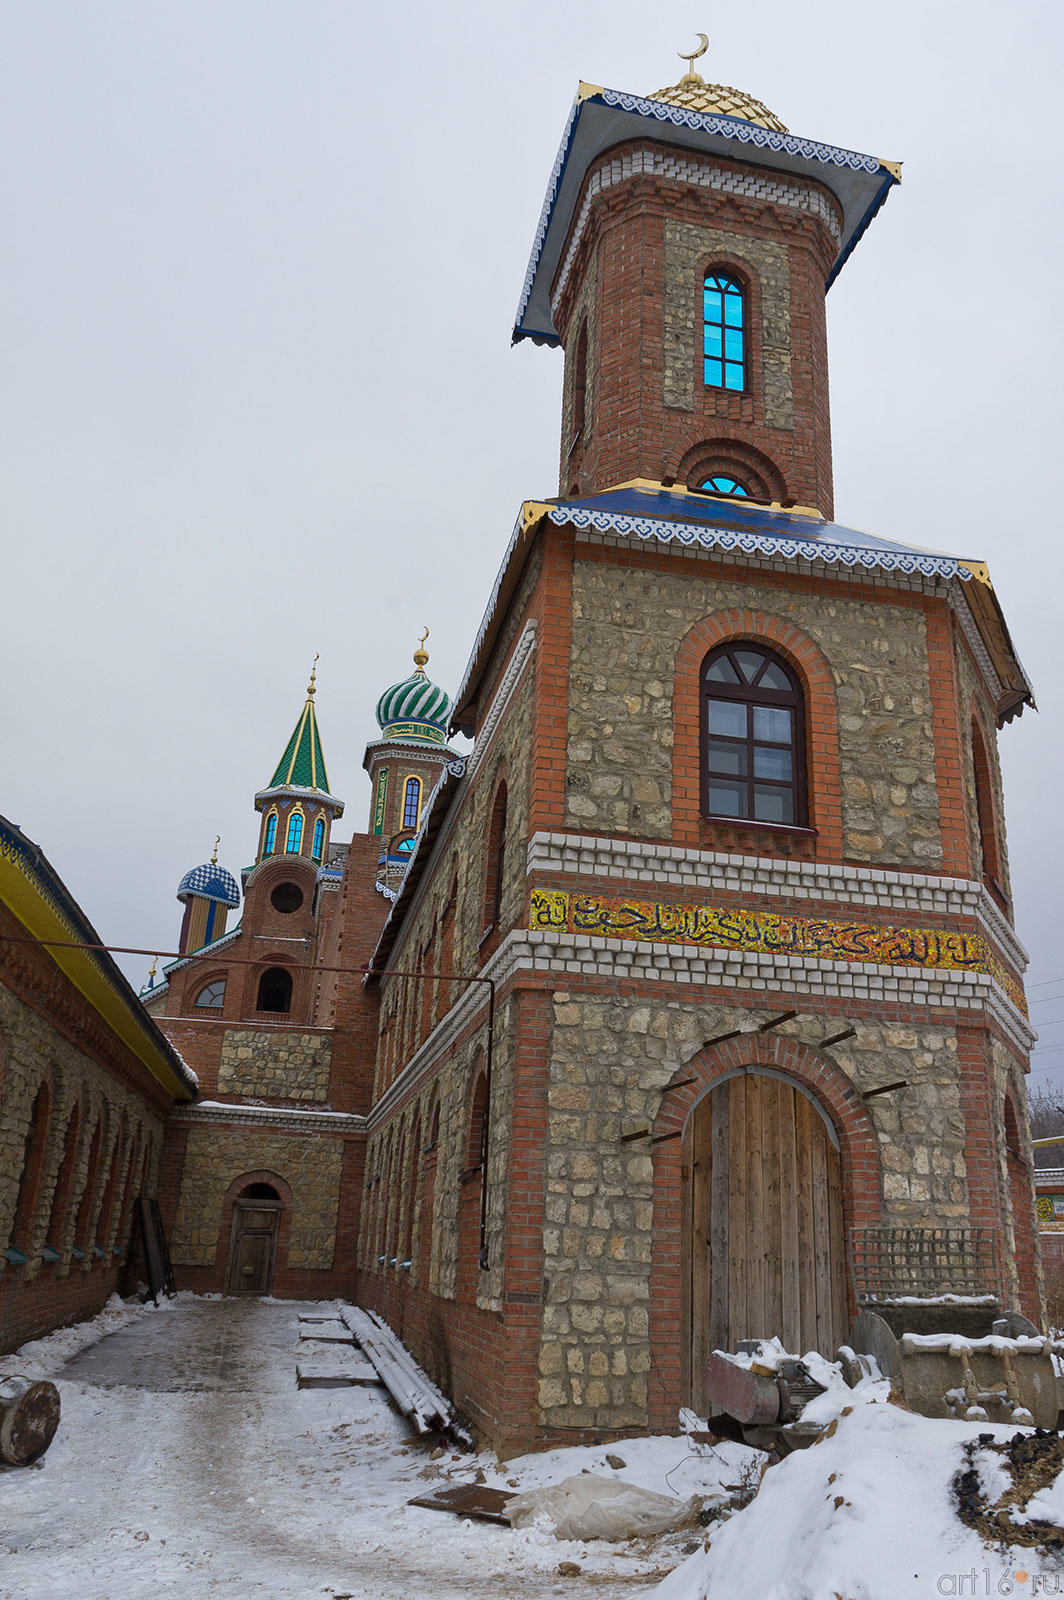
(188, 1464)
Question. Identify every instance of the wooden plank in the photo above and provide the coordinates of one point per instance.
(839, 1308)
(756, 1324)
(771, 1253)
(821, 1237)
(701, 1169)
(735, 1089)
(719, 1245)
(804, 1116)
(790, 1260)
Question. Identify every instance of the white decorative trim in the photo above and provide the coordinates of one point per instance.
(503, 694)
(963, 612)
(711, 871)
(791, 547)
(212, 1111)
(703, 173)
(389, 894)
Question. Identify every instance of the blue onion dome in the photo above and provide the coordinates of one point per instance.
(416, 709)
(210, 882)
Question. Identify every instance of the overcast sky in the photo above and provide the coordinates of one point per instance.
(260, 263)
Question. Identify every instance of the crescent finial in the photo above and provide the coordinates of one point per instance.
(312, 685)
(421, 655)
(214, 854)
(692, 56)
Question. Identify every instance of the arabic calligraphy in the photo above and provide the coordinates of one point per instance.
(772, 933)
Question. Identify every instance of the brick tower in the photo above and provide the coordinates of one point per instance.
(702, 981)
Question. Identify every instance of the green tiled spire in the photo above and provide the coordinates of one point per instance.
(303, 764)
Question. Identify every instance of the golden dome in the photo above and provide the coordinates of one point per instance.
(695, 94)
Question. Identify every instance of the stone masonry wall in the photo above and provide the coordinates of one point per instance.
(627, 625)
(31, 1054)
(610, 1061)
(217, 1156)
(686, 245)
(276, 1065)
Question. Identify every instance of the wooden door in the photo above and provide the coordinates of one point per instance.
(252, 1247)
(766, 1244)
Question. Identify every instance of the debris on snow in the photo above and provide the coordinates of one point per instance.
(589, 1507)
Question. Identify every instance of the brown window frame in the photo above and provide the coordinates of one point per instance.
(750, 695)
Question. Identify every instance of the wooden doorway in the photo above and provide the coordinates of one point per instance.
(766, 1244)
(253, 1240)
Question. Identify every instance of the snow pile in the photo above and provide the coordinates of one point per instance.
(43, 1358)
(869, 1512)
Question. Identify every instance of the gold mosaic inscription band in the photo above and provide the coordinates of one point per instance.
(767, 932)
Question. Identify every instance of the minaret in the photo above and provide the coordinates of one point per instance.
(682, 263)
(208, 894)
(297, 809)
(405, 763)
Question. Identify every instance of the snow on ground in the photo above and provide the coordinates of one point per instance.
(188, 1465)
(867, 1514)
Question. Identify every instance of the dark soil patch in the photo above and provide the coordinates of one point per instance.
(1033, 1461)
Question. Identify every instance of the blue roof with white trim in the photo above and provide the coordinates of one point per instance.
(604, 118)
(210, 882)
(715, 522)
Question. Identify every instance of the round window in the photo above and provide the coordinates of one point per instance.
(286, 897)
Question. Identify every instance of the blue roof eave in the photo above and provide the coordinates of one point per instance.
(605, 118)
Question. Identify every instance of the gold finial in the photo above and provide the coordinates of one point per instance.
(311, 691)
(214, 852)
(692, 56)
(421, 655)
(153, 970)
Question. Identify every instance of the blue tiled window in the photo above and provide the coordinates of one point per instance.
(295, 833)
(411, 802)
(271, 834)
(319, 838)
(724, 483)
(724, 332)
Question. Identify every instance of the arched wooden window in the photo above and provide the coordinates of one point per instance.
(580, 383)
(275, 990)
(984, 807)
(318, 847)
(496, 862)
(411, 802)
(105, 1216)
(753, 737)
(724, 332)
(270, 840)
(294, 837)
(33, 1153)
(212, 996)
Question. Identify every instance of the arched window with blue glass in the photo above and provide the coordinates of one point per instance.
(294, 840)
(724, 331)
(318, 847)
(724, 483)
(269, 843)
(411, 802)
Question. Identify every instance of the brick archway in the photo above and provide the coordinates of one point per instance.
(823, 1081)
(821, 730)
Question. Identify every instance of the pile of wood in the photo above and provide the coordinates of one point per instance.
(412, 1390)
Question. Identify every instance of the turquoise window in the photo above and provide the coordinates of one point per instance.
(295, 833)
(723, 483)
(319, 838)
(724, 332)
(271, 834)
(411, 802)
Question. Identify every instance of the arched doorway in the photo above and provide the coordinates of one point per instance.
(766, 1243)
(253, 1240)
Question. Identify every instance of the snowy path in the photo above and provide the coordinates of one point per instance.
(189, 1465)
